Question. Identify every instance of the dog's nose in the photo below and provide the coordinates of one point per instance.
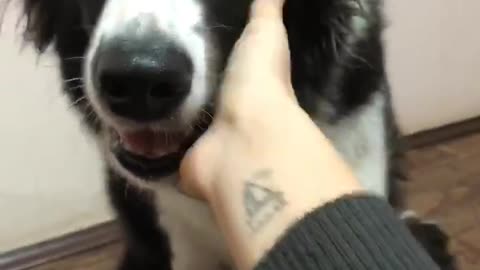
(142, 81)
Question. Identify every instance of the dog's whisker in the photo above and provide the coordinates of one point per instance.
(73, 80)
(76, 102)
(219, 25)
(213, 27)
(75, 87)
(74, 58)
(208, 114)
(90, 112)
(199, 126)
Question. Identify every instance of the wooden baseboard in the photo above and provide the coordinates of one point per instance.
(61, 247)
(444, 133)
(110, 232)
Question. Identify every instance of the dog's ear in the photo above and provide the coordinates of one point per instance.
(334, 44)
(42, 19)
(47, 19)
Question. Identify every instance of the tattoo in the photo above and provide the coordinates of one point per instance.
(261, 203)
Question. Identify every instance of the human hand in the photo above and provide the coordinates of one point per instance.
(261, 139)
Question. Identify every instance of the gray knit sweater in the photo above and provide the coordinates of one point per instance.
(352, 233)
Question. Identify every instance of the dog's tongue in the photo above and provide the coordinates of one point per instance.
(150, 144)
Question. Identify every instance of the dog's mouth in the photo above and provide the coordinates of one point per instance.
(149, 154)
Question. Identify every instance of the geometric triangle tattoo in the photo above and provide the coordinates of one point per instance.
(261, 204)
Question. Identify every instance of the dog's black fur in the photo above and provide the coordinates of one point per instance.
(324, 65)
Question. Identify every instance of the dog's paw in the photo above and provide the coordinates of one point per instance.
(433, 239)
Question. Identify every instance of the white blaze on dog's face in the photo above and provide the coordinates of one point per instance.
(150, 75)
(180, 22)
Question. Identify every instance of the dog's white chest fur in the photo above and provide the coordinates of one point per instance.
(195, 239)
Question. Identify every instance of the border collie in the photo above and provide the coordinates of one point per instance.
(144, 76)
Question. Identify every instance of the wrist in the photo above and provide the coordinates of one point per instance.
(255, 211)
(249, 231)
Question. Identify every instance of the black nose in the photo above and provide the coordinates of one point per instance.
(141, 81)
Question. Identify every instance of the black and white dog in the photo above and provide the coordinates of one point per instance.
(144, 75)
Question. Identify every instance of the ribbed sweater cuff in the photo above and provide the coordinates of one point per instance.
(357, 233)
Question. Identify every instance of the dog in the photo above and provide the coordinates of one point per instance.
(144, 74)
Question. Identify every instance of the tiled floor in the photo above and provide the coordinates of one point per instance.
(444, 186)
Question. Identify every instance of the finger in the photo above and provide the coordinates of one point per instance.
(262, 50)
(267, 9)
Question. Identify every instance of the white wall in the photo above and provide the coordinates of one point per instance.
(434, 61)
(50, 174)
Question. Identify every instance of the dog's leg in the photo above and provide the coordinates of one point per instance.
(147, 245)
(433, 239)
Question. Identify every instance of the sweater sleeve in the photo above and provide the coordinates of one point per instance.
(352, 233)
